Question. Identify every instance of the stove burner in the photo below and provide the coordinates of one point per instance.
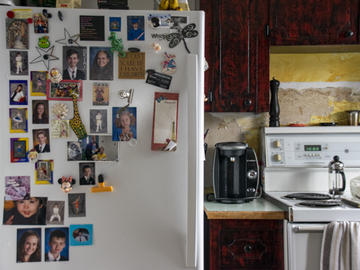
(308, 196)
(329, 203)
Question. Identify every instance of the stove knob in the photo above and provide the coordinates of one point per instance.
(252, 174)
(277, 144)
(277, 157)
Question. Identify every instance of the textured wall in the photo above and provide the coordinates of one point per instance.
(314, 88)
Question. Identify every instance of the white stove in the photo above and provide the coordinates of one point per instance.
(296, 161)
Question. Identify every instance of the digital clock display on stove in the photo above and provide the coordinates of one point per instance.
(312, 147)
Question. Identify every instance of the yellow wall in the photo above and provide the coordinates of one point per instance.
(315, 67)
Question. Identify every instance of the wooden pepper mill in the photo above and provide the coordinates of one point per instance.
(274, 103)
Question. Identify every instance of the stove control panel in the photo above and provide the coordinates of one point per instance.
(311, 150)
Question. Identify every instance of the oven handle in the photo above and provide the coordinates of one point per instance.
(309, 228)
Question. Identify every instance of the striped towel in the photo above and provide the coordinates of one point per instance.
(340, 248)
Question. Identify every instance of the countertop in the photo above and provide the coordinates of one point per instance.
(256, 209)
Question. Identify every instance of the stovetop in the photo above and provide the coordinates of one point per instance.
(307, 213)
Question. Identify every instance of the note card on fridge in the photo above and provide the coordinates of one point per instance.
(165, 121)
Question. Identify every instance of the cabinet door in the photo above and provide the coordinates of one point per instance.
(246, 244)
(237, 51)
(313, 22)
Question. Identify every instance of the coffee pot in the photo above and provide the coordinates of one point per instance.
(337, 180)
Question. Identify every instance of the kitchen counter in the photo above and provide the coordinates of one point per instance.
(256, 209)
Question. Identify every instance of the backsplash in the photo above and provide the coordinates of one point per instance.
(314, 88)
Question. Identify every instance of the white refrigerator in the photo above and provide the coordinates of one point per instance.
(154, 217)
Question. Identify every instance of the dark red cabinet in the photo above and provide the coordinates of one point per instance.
(244, 244)
(314, 22)
(237, 51)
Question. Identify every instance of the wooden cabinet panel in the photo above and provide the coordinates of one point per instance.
(237, 51)
(244, 244)
(314, 22)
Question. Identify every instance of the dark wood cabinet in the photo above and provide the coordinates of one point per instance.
(237, 51)
(314, 22)
(244, 244)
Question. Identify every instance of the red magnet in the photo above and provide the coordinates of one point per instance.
(10, 14)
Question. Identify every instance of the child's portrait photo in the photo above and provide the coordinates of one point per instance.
(56, 244)
(55, 212)
(115, 24)
(38, 83)
(17, 188)
(41, 140)
(87, 173)
(30, 211)
(28, 245)
(17, 34)
(81, 235)
(19, 63)
(18, 92)
(135, 28)
(18, 120)
(124, 123)
(19, 148)
(101, 63)
(40, 111)
(74, 151)
(100, 94)
(74, 62)
(40, 23)
(98, 121)
(44, 172)
(77, 204)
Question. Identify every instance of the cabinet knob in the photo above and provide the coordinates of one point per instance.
(247, 248)
(247, 102)
(349, 33)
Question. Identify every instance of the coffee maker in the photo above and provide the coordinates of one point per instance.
(235, 172)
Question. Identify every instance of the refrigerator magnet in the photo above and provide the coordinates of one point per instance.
(18, 149)
(17, 34)
(165, 121)
(19, 63)
(41, 24)
(38, 83)
(44, 172)
(135, 28)
(115, 24)
(18, 120)
(169, 65)
(158, 79)
(18, 92)
(81, 235)
(132, 66)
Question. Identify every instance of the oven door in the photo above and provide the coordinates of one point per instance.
(304, 245)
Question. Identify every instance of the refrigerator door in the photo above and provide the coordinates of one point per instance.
(153, 219)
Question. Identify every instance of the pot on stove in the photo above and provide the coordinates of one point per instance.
(337, 180)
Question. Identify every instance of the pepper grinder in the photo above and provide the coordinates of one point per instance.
(274, 103)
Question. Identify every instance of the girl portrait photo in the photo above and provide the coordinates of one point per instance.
(38, 83)
(101, 63)
(19, 63)
(124, 124)
(30, 211)
(18, 92)
(18, 120)
(28, 245)
(40, 111)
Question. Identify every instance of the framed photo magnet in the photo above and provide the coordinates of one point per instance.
(165, 121)
(18, 120)
(18, 149)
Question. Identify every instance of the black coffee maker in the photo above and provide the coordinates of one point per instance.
(235, 172)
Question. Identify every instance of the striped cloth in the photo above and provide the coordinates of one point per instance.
(340, 248)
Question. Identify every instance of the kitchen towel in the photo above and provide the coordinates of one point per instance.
(341, 246)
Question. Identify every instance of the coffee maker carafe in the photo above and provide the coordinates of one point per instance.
(235, 172)
(337, 180)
